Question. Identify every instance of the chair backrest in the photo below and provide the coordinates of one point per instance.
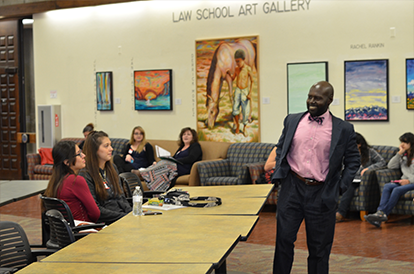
(129, 182)
(62, 206)
(14, 246)
(243, 153)
(387, 152)
(60, 228)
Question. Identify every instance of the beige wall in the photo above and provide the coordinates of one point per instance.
(70, 45)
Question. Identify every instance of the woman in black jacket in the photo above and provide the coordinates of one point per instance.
(102, 178)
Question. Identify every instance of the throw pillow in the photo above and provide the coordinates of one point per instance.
(46, 156)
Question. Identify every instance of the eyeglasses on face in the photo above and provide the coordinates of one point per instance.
(79, 154)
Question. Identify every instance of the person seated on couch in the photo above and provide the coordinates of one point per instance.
(188, 153)
(65, 184)
(102, 178)
(137, 153)
(370, 159)
(392, 191)
(86, 130)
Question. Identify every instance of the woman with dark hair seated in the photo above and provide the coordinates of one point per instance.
(102, 178)
(138, 153)
(404, 161)
(86, 130)
(188, 153)
(65, 184)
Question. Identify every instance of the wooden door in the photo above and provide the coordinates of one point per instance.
(10, 163)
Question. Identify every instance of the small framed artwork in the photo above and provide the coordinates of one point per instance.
(409, 72)
(104, 92)
(153, 89)
(366, 90)
(300, 77)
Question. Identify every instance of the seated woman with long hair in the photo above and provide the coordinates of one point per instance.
(66, 185)
(188, 153)
(102, 178)
(404, 161)
(138, 153)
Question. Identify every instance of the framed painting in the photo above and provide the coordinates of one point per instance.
(409, 72)
(153, 89)
(227, 89)
(366, 90)
(104, 92)
(300, 77)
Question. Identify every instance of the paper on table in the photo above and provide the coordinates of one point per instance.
(79, 223)
(164, 207)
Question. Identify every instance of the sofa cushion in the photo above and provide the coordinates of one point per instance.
(43, 169)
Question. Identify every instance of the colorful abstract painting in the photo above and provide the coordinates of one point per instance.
(409, 67)
(153, 89)
(300, 77)
(104, 94)
(366, 90)
(228, 89)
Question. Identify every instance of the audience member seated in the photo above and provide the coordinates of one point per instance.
(86, 130)
(102, 178)
(65, 184)
(188, 153)
(370, 159)
(270, 165)
(138, 153)
(395, 189)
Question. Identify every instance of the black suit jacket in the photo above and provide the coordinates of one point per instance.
(344, 157)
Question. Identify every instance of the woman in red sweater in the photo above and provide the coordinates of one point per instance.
(65, 184)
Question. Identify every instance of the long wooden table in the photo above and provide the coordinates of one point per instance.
(177, 237)
(11, 191)
(114, 268)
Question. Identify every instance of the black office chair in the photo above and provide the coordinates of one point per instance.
(130, 181)
(60, 228)
(63, 208)
(15, 251)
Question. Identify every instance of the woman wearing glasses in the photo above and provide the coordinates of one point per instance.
(65, 184)
(102, 178)
(138, 153)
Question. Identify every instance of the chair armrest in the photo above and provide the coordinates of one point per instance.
(244, 176)
(33, 159)
(255, 169)
(43, 252)
(207, 169)
(194, 179)
(386, 175)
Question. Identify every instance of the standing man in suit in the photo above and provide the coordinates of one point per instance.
(316, 155)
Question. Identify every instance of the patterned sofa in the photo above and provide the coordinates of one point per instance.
(211, 151)
(367, 195)
(405, 205)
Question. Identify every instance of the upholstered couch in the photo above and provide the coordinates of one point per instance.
(211, 151)
(367, 195)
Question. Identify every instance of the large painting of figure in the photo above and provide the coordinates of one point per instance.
(228, 89)
(366, 90)
(409, 67)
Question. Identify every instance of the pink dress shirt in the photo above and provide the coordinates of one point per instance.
(309, 152)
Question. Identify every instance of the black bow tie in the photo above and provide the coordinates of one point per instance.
(319, 120)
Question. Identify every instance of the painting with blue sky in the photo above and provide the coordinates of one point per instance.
(409, 66)
(366, 90)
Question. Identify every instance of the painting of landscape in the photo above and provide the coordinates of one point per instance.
(153, 89)
(366, 90)
(227, 105)
(409, 65)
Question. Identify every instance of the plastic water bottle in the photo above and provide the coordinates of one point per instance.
(137, 202)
